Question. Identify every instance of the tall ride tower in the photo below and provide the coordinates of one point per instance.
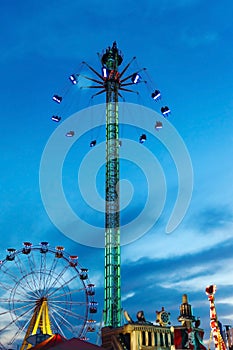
(110, 82)
(111, 60)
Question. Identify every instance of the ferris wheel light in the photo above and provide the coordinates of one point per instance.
(91, 321)
(27, 244)
(60, 247)
(91, 325)
(11, 250)
(93, 307)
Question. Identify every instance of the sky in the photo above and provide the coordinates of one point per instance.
(186, 47)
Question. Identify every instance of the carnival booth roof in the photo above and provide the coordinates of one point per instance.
(52, 341)
(57, 342)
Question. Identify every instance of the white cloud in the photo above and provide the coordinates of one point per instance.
(127, 296)
(226, 301)
(210, 273)
(161, 246)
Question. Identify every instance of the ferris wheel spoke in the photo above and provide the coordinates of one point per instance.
(9, 274)
(44, 271)
(57, 325)
(65, 321)
(70, 293)
(15, 309)
(13, 321)
(6, 300)
(69, 302)
(32, 266)
(5, 286)
(23, 292)
(58, 277)
(67, 312)
(51, 271)
(41, 269)
(63, 285)
(19, 331)
(19, 263)
(23, 286)
(36, 272)
(15, 279)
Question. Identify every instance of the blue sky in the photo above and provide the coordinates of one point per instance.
(186, 46)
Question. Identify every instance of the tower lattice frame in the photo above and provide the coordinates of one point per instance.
(111, 82)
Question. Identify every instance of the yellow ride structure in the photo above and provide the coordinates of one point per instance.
(40, 327)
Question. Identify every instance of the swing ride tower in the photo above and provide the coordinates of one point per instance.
(111, 82)
(112, 295)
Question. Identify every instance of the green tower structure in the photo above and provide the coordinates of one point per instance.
(110, 83)
(112, 296)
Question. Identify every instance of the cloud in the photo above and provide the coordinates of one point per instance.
(158, 282)
(158, 245)
(127, 296)
(164, 280)
(212, 218)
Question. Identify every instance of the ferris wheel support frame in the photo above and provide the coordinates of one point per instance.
(40, 320)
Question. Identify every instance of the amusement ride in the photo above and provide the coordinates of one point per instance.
(112, 82)
(47, 291)
(44, 291)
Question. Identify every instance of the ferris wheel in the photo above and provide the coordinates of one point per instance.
(44, 291)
